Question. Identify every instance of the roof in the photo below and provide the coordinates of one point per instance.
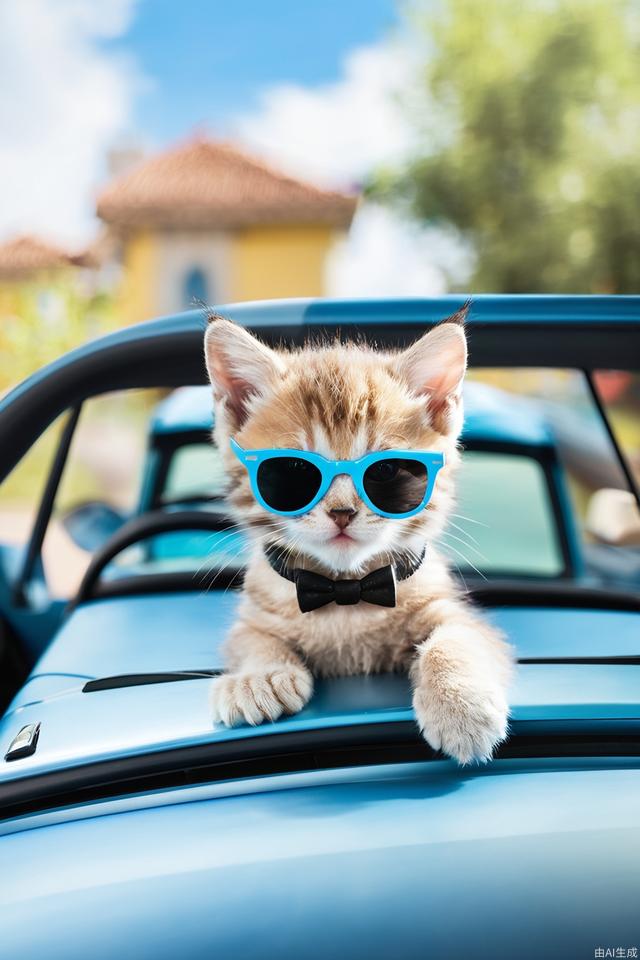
(24, 256)
(208, 184)
(490, 415)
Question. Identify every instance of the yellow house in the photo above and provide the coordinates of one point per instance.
(205, 222)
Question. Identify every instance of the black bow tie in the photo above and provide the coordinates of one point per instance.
(315, 591)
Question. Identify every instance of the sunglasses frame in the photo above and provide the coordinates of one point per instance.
(330, 469)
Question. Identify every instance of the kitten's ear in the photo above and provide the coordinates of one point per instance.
(239, 366)
(434, 368)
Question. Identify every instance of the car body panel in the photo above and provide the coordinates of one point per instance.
(80, 728)
(411, 861)
(184, 632)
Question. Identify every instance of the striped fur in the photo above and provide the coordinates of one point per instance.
(344, 401)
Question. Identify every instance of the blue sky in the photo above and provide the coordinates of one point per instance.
(206, 61)
(315, 87)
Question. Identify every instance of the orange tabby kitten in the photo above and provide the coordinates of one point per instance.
(343, 402)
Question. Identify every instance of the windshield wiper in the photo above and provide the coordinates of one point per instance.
(143, 679)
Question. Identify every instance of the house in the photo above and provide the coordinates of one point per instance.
(206, 222)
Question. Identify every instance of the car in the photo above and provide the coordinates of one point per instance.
(131, 824)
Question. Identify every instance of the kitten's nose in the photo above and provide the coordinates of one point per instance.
(342, 516)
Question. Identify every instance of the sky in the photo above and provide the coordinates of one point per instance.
(207, 61)
(310, 86)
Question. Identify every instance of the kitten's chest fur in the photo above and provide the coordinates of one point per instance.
(342, 640)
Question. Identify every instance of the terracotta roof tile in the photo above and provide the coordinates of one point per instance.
(25, 256)
(210, 184)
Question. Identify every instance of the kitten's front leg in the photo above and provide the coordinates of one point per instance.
(266, 680)
(460, 678)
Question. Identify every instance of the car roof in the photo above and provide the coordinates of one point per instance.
(491, 415)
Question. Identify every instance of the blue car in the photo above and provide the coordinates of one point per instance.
(132, 825)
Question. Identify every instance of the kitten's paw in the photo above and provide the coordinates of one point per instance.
(465, 722)
(254, 697)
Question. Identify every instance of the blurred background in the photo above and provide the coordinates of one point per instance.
(156, 155)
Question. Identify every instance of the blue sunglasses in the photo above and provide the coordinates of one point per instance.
(392, 483)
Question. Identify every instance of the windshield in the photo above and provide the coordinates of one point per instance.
(535, 490)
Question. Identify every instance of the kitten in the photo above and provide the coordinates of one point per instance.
(343, 402)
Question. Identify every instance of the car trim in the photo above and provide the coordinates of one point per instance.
(498, 592)
(375, 743)
(620, 453)
(120, 680)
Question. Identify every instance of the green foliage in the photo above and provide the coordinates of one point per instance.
(528, 114)
(43, 318)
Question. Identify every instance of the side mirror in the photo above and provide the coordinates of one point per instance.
(91, 524)
(613, 517)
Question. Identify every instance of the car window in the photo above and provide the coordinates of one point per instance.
(558, 408)
(105, 467)
(21, 491)
(505, 522)
(195, 471)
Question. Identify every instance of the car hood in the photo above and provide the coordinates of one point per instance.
(183, 632)
(512, 860)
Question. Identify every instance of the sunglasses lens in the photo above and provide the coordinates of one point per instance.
(396, 486)
(287, 484)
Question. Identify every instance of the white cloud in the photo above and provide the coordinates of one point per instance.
(384, 256)
(63, 100)
(336, 135)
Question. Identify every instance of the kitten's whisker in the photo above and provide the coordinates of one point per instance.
(460, 574)
(218, 571)
(222, 540)
(459, 516)
(446, 533)
(462, 530)
(450, 546)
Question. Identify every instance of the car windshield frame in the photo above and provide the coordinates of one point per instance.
(171, 350)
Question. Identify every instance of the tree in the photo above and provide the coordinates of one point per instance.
(528, 120)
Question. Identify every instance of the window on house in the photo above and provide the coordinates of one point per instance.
(195, 287)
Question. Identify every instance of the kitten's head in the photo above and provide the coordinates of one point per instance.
(342, 402)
